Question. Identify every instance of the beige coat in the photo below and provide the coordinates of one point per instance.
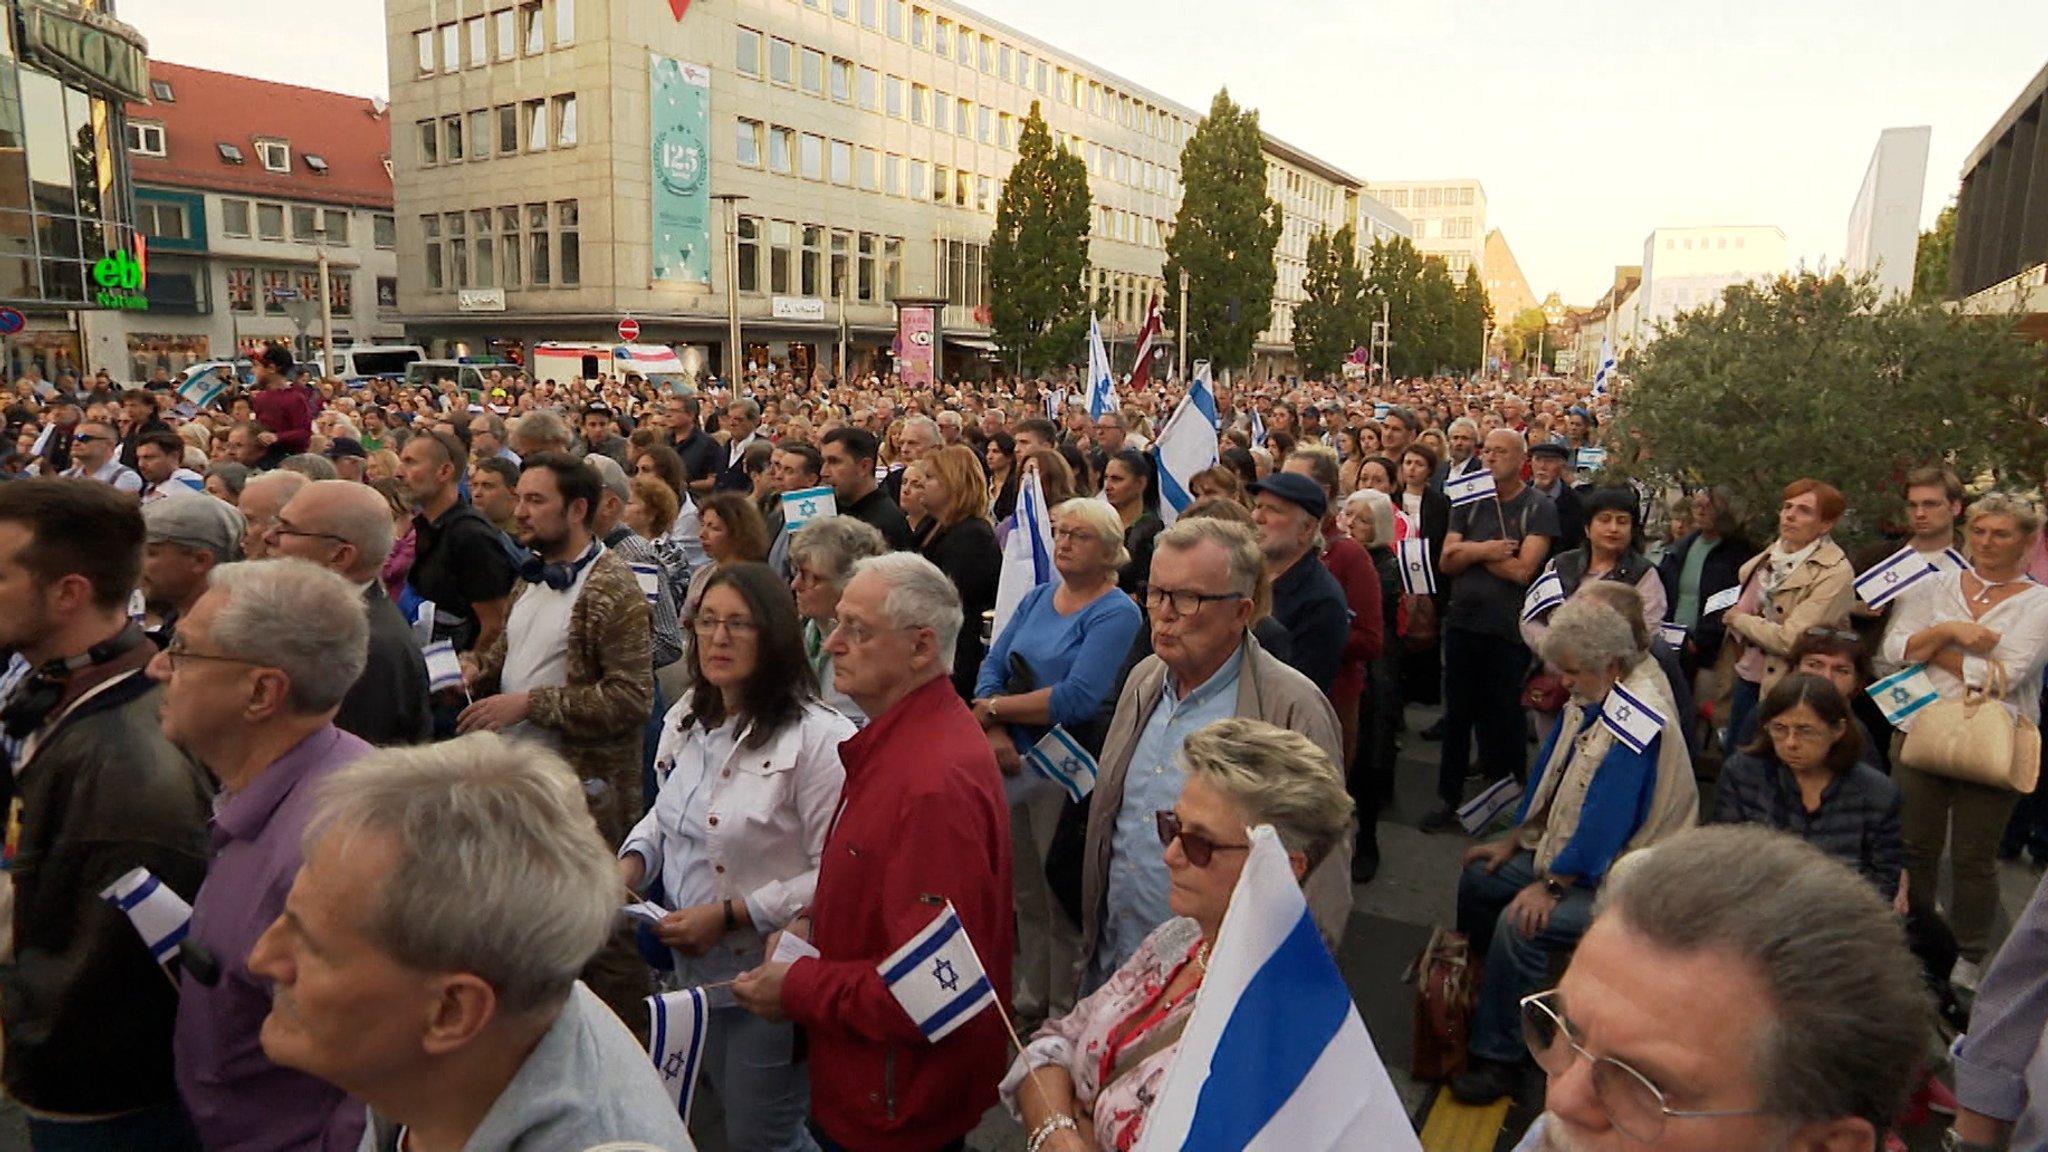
(1816, 594)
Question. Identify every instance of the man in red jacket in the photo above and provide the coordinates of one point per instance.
(282, 407)
(922, 822)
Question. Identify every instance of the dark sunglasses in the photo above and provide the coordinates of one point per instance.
(85, 438)
(1199, 849)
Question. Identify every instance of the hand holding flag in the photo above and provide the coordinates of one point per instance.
(160, 916)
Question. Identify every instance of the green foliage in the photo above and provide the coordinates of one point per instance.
(1470, 317)
(1931, 259)
(1332, 320)
(1812, 377)
(1038, 256)
(1438, 324)
(1526, 333)
(1395, 281)
(1224, 235)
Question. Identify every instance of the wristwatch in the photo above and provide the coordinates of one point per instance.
(1951, 1141)
(1555, 890)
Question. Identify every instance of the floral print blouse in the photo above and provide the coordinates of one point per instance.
(1120, 1017)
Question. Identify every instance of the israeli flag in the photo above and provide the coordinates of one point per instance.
(1471, 488)
(1632, 721)
(1258, 430)
(1591, 459)
(1606, 370)
(423, 623)
(1418, 577)
(1903, 693)
(680, 1021)
(1956, 559)
(161, 916)
(444, 669)
(1721, 601)
(1380, 409)
(1275, 1057)
(1185, 447)
(1027, 553)
(1101, 385)
(1203, 392)
(1061, 760)
(938, 978)
(202, 384)
(1055, 405)
(1672, 634)
(1899, 571)
(138, 606)
(1546, 593)
(800, 508)
(648, 576)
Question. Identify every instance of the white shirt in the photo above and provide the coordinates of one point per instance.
(734, 452)
(2022, 626)
(181, 481)
(537, 646)
(113, 472)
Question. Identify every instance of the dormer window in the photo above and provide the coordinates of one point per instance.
(318, 164)
(161, 90)
(229, 154)
(275, 154)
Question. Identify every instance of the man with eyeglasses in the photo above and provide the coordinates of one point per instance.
(95, 450)
(1207, 581)
(1737, 990)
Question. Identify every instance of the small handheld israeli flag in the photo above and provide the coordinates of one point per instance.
(203, 384)
(800, 508)
(423, 623)
(161, 917)
(1903, 693)
(1418, 577)
(1672, 634)
(679, 1024)
(648, 576)
(1546, 593)
(938, 978)
(1899, 571)
(1061, 760)
(1471, 488)
(444, 669)
(1632, 721)
(1258, 430)
(1956, 558)
(1380, 409)
(1721, 601)
(1591, 459)
(138, 606)
(1479, 813)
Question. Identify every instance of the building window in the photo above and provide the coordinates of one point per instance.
(534, 26)
(430, 228)
(896, 13)
(963, 117)
(920, 180)
(988, 55)
(384, 231)
(842, 80)
(965, 46)
(161, 90)
(781, 145)
(870, 15)
(229, 154)
(892, 267)
(843, 9)
(270, 221)
(781, 255)
(864, 276)
(484, 242)
(565, 22)
(451, 139)
(942, 40)
(865, 162)
(812, 77)
(750, 253)
(160, 220)
(811, 157)
(942, 183)
(304, 222)
(506, 29)
(866, 82)
(781, 62)
(234, 217)
(317, 165)
(478, 34)
(276, 283)
(747, 53)
(842, 162)
(985, 123)
(842, 266)
(892, 97)
(241, 289)
(747, 144)
(565, 121)
(536, 125)
(336, 222)
(814, 262)
(511, 246)
(145, 139)
(892, 175)
(341, 294)
(920, 28)
(919, 96)
(540, 268)
(423, 49)
(568, 247)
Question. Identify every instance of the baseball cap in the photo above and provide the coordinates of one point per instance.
(613, 476)
(194, 520)
(342, 446)
(1295, 489)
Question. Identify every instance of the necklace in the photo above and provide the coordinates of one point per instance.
(1987, 587)
(1202, 957)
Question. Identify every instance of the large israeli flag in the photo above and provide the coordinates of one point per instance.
(1275, 1058)
(1606, 370)
(1186, 446)
(938, 977)
(1101, 385)
(202, 384)
(1027, 553)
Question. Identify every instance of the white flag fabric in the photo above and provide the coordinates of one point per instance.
(1027, 554)
(1606, 370)
(160, 916)
(938, 977)
(444, 668)
(203, 384)
(423, 623)
(1546, 593)
(676, 1042)
(1721, 601)
(1632, 721)
(1060, 758)
(1471, 488)
(1591, 459)
(1903, 693)
(1418, 576)
(1957, 560)
(1186, 447)
(1884, 582)
(648, 576)
(1258, 430)
(1101, 384)
(1275, 1057)
(1672, 634)
(800, 508)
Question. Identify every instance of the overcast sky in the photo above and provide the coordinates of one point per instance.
(1589, 121)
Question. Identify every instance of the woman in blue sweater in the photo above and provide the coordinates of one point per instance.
(1055, 664)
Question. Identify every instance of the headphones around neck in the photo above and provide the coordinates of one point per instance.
(560, 577)
(32, 702)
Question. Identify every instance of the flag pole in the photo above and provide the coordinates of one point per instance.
(1030, 1073)
(1500, 512)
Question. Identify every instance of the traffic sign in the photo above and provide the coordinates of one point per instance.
(11, 321)
(629, 330)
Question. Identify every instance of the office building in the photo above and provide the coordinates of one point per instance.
(1687, 268)
(1884, 223)
(1507, 290)
(2001, 250)
(1449, 218)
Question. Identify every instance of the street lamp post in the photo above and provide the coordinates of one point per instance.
(1180, 339)
(326, 305)
(731, 200)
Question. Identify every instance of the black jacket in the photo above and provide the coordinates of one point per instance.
(966, 552)
(1722, 571)
(88, 1015)
(1310, 604)
(878, 510)
(1138, 539)
(1571, 518)
(388, 703)
(1857, 824)
(1436, 524)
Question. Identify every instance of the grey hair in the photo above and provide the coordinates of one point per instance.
(1849, 1008)
(1587, 632)
(1381, 508)
(1465, 422)
(299, 618)
(362, 518)
(2023, 512)
(1099, 518)
(232, 473)
(926, 424)
(499, 870)
(1625, 599)
(832, 546)
(310, 466)
(287, 483)
(1278, 777)
(1238, 542)
(747, 406)
(920, 596)
(542, 430)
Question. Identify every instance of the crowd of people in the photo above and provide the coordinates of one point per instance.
(409, 692)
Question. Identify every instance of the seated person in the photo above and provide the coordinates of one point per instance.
(1838, 656)
(1592, 797)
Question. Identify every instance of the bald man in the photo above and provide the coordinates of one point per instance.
(346, 528)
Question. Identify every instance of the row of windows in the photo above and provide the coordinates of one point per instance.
(263, 220)
(1671, 244)
(1438, 197)
(146, 138)
(817, 261)
(1122, 297)
(529, 126)
(267, 290)
(510, 247)
(500, 36)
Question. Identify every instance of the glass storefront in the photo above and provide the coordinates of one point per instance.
(163, 355)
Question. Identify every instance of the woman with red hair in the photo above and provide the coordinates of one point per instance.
(1803, 580)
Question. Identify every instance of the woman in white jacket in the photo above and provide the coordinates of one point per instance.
(750, 771)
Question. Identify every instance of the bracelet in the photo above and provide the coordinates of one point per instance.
(1057, 1122)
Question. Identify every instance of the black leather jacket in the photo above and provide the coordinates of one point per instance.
(87, 1012)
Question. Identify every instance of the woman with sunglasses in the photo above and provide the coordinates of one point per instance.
(750, 771)
(1611, 778)
(1095, 1072)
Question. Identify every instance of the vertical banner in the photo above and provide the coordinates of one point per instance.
(917, 340)
(679, 114)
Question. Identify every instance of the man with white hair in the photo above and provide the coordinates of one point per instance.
(918, 439)
(251, 685)
(426, 959)
(922, 824)
(346, 528)
(1464, 456)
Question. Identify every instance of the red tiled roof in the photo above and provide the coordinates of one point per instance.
(213, 108)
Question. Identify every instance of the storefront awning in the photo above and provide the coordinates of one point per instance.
(971, 342)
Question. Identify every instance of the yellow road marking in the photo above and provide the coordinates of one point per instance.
(1455, 1127)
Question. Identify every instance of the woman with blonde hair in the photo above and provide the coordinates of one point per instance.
(958, 537)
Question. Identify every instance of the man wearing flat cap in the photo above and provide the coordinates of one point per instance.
(348, 456)
(1288, 510)
(186, 536)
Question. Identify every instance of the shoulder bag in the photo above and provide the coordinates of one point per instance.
(1976, 739)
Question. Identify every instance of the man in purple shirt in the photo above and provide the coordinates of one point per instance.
(252, 681)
